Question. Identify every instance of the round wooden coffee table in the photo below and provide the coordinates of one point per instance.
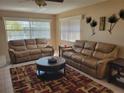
(46, 70)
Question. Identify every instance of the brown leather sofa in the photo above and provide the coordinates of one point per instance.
(29, 49)
(90, 57)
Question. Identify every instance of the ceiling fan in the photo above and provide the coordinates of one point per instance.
(43, 2)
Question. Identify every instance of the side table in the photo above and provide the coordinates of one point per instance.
(116, 72)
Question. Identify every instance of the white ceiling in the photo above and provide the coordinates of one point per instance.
(51, 8)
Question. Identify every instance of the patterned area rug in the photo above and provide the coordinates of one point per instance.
(25, 80)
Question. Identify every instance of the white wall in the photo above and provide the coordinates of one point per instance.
(3, 40)
(96, 11)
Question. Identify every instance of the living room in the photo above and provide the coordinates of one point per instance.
(60, 20)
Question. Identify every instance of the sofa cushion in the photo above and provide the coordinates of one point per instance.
(87, 52)
(46, 54)
(68, 54)
(31, 43)
(35, 51)
(91, 62)
(46, 49)
(77, 49)
(77, 57)
(34, 57)
(41, 43)
(22, 53)
(90, 45)
(104, 47)
(88, 48)
(19, 48)
(17, 45)
(17, 42)
(23, 59)
(79, 43)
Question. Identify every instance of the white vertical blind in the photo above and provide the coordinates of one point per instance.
(22, 28)
(70, 28)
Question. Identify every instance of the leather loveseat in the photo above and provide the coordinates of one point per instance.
(29, 49)
(90, 57)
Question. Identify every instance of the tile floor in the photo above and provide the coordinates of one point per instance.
(6, 85)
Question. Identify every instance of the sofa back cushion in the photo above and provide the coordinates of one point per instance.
(78, 45)
(30, 43)
(103, 49)
(89, 47)
(99, 55)
(17, 45)
(41, 43)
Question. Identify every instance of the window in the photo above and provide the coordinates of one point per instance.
(70, 28)
(40, 29)
(27, 29)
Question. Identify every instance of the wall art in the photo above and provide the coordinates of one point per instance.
(102, 24)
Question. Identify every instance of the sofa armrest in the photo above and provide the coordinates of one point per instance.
(11, 50)
(64, 49)
(50, 46)
(12, 55)
(105, 61)
(67, 49)
(101, 67)
(113, 54)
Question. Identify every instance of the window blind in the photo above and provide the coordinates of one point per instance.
(24, 28)
(70, 28)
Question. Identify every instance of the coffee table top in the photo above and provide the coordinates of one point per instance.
(44, 61)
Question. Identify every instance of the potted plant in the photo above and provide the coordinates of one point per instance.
(92, 23)
(121, 14)
(88, 19)
(114, 19)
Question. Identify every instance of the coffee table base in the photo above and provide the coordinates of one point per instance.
(49, 75)
(48, 71)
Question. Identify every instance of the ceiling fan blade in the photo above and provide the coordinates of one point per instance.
(55, 0)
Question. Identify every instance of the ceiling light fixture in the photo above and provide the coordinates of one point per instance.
(40, 3)
(43, 2)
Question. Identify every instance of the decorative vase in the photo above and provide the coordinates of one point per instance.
(52, 60)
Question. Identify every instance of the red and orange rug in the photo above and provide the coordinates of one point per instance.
(25, 80)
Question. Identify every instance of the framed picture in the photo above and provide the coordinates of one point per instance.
(102, 25)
